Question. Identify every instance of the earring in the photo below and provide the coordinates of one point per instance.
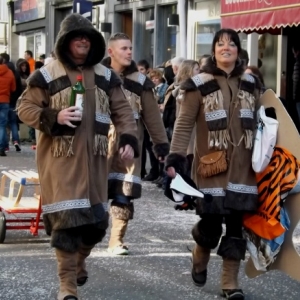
(213, 58)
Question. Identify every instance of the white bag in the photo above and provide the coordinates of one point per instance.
(265, 141)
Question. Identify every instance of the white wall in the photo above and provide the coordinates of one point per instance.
(3, 11)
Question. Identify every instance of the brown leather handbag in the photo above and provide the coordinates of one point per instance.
(212, 164)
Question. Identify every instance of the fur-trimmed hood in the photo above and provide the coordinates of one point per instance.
(128, 70)
(77, 24)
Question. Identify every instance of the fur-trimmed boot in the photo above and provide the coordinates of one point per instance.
(120, 215)
(200, 261)
(233, 251)
(82, 274)
(201, 252)
(66, 266)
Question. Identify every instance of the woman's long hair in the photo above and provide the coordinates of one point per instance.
(185, 70)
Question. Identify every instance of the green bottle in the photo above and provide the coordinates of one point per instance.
(78, 92)
(77, 96)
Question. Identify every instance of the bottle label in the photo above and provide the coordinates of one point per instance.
(79, 101)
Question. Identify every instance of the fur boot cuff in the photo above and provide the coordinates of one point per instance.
(232, 248)
(210, 242)
(66, 239)
(122, 211)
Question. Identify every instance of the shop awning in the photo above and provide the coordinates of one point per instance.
(259, 15)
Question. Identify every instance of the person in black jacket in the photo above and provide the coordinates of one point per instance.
(296, 77)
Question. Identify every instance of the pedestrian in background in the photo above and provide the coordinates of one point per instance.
(72, 159)
(23, 69)
(188, 69)
(143, 66)
(160, 89)
(29, 58)
(160, 85)
(219, 102)
(7, 86)
(202, 60)
(42, 58)
(12, 122)
(124, 182)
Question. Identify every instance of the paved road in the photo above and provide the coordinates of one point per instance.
(158, 267)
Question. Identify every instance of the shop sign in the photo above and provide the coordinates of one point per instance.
(231, 6)
(150, 24)
(84, 8)
(28, 10)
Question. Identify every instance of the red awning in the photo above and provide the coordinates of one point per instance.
(257, 15)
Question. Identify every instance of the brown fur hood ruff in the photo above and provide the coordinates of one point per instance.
(130, 85)
(70, 27)
(211, 68)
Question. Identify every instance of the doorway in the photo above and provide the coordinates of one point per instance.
(127, 24)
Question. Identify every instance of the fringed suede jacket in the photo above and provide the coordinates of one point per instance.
(124, 179)
(223, 107)
(72, 163)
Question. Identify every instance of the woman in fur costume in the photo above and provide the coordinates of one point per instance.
(222, 102)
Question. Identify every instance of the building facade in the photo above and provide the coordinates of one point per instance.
(34, 27)
(147, 23)
(3, 26)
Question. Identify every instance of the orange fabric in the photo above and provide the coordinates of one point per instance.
(7, 83)
(31, 62)
(278, 179)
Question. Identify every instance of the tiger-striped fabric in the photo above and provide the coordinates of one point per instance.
(273, 184)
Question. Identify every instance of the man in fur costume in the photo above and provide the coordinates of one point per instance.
(124, 182)
(72, 160)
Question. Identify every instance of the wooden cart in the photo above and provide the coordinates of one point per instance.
(29, 207)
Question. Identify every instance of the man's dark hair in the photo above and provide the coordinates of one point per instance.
(42, 56)
(118, 36)
(38, 65)
(233, 36)
(5, 56)
(29, 53)
(143, 63)
(1, 60)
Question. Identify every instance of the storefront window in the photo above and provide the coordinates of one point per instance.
(169, 42)
(147, 37)
(208, 15)
(267, 53)
(204, 36)
(33, 41)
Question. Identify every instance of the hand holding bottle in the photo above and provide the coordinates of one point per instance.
(126, 152)
(68, 115)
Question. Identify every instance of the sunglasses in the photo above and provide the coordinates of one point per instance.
(81, 37)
